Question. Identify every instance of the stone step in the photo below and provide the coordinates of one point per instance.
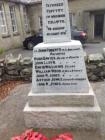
(63, 117)
(61, 99)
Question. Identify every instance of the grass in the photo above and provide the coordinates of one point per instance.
(2, 50)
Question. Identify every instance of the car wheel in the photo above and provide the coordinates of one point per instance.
(30, 46)
(83, 41)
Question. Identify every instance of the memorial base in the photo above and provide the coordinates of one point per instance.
(61, 99)
(68, 102)
(72, 117)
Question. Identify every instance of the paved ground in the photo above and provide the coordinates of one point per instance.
(12, 119)
(94, 47)
(17, 51)
(89, 48)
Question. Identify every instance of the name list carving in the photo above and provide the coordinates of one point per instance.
(59, 70)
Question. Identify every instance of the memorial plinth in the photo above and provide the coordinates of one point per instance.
(61, 96)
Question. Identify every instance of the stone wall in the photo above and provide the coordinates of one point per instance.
(95, 65)
(21, 68)
(15, 68)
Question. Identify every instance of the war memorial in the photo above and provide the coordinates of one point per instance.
(61, 95)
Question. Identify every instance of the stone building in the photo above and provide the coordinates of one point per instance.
(89, 15)
(14, 23)
(19, 17)
(85, 14)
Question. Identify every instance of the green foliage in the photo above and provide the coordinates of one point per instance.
(2, 50)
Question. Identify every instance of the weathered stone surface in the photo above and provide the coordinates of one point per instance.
(102, 74)
(61, 61)
(101, 65)
(13, 72)
(95, 57)
(1, 72)
(96, 67)
(11, 64)
(1, 79)
(104, 52)
(61, 99)
(2, 63)
(96, 71)
(93, 77)
(91, 67)
(16, 68)
(85, 57)
(63, 117)
(26, 74)
(26, 71)
(12, 77)
(27, 61)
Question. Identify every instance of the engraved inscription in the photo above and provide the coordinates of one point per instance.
(56, 24)
(58, 67)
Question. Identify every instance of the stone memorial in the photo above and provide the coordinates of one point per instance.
(61, 96)
(56, 25)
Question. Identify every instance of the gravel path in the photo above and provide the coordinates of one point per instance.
(12, 119)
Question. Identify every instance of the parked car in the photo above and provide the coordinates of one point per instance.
(31, 41)
(77, 34)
